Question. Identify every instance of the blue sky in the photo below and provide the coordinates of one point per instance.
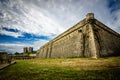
(35, 22)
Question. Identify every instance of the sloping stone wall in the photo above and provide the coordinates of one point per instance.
(108, 40)
(68, 44)
(88, 38)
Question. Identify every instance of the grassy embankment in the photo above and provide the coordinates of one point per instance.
(63, 69)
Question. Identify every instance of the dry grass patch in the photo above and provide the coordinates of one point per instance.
(63, 69)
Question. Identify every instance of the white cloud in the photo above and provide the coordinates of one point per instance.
(18, 47)
(14, 34)
(39, 43)
(48, 17)
(39, 24)
(116, 22)
(28, 18)
(12, 48)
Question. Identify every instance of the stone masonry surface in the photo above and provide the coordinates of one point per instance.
(88, 38)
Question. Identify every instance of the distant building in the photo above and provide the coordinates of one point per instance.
(31, 49)
(25, 49)
(28, 49)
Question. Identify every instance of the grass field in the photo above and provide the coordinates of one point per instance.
(63, 69)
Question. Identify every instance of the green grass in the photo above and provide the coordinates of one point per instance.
(63, 69)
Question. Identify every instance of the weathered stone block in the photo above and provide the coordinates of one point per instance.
(88, 38)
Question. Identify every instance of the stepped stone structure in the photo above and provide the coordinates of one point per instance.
(88, 38)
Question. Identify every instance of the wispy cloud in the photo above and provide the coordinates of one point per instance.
(116, 22)
(9, 33)
(27, 18)
(46, 17)
(52, 17)
(18, 47)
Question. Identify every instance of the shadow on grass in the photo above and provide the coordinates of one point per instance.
(57, 73)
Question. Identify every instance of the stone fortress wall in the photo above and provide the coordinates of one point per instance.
(88, 38)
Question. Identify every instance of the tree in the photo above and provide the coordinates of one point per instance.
(16, 53)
